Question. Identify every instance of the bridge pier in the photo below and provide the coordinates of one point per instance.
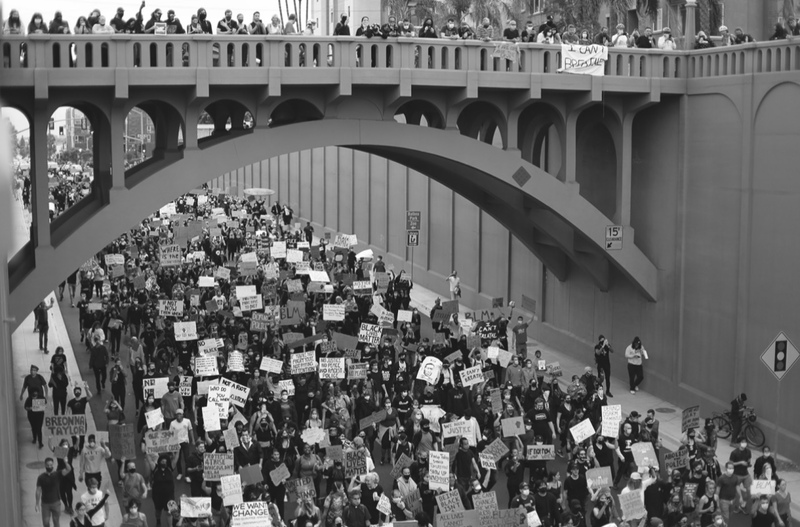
(40, 226)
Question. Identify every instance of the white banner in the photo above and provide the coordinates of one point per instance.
(583, 60)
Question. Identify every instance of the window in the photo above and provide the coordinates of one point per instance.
(537, 6)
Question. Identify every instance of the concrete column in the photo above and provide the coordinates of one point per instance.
(622, 216)
(117, 151)
(40, 228)
(688, 31)
(571, 149)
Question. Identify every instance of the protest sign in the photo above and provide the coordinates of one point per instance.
(760, 487)
(449, 502)
(404, 315)
(371, 420)
(331, 368)
(154, 418)
(644, 455)
(231, 489)
(122, 441)
(170, 308)
(496, 399)
(632, 505)
(335, 452)
(513, 426)
(429, 370)
(402, 462)
(506, 51)
(271, 365)
(287, 385)
(156, 386)
(599, 478)
(217, 465)
(251, 303)
(582, 431)
(169, 255)
(677, 459)
(412, 501)
(485, 501)
(251, 474)
(300, 488)
(205, 366)
(38, 405)
(313, 435)
(333, 312)
(114, 259)
(303, 362)
(293, 313)
(355, 463)
(186, 385)
(362, 288)
(541, 452)
(223, 273)
(357, 370)
(439, 470)
(279, 475)
(195, 507)
(206, 281)
(471, 376)
(690, 418)
(211, 418)
(185, 331)
(612, 415)
(278, 249)
(251, 514)
(236, 392)
(468, 518)
(162, 441)
(554, 369)
(457, 429)
(583, 60)
(497, 449)
(487, 461)
(261, 321)
(327, 346)
(231, 438)
(370, 333)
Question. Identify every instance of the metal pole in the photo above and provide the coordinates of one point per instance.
(412, 263)
(777, 420)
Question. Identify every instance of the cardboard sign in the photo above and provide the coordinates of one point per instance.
(404, 315)
(169, 255)
(582, 431)
(186, 385)
(271, 365)
(170, 308)
(644, 455)
(333, 312)
(429, 370)
(287, 385)
(156, 386)
(206, 281)
(762, 488)
(513, 426)
(261, 322)
(122, 441)
(237, 393)
(449, 502)
(497, 449)
(496, 399)
(439, 470)
(251, 303)
(357, 370)
(300, 488)
(279, 475)
(599, 478)
(154, 418)
(471, 376)
(303, 362)
(540, 452)
(217, 465)
(487, 461)
(251, 514)
(331, 368)
(355, 463)
(677, 459)
(251, 474)
(231, 438)
(402, 462)
(211, 418)
(223, 273)
(554, 369)
(457, 429)
(485, 501)
(313, 435)
(231, 489)
(690, 418)
(632, 505)
(38, 405)
(371, 420)
(162, 441)
(65, 425)
(533, 519)
(612, 415)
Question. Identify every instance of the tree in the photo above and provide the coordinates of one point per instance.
(23, 148)
(399, 9)
(459, 8)
(12, 137)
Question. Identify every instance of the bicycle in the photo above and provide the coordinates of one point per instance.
(750, 431)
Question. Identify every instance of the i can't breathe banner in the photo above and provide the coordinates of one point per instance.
(583, 60)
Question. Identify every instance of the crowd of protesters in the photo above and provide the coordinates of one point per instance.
(245, 337)
(547, 33)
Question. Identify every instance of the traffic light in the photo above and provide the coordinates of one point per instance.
(144, 149)
(780, 356)
(60, 130)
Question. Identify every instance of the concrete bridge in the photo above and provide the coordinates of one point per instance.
(692, 153)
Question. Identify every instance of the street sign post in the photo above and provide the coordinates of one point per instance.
(412, 239)
(413, 227)
(413, 220)
(613, 237)
(779, 357)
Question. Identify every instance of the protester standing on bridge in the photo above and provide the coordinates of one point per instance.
(13, 26)
(342, 29)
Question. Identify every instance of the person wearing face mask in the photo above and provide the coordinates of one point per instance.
(741, 459)
(424, 440)
(13, 26)
(546, 505)
(729, 491)
(58, 27)
(529, 32)
(37, 25)
(163, 487)
(391, 29)
(171, 402)
(133, 516)
(342, 29)
(92, 458)
(48, 493)
(765, 459)
(205, 25)
(763, 513)
(575, 486)
(404, 484)
(449, 30)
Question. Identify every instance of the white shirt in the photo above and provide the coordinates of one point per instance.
(665, 44)
(91, 501)
(185, 425)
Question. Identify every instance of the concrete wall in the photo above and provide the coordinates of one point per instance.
(721, 233)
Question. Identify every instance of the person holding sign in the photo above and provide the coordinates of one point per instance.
(34, 405)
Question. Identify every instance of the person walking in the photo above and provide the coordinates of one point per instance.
(98, 362)
(48, 494)
(635, 353)
(43, 322)
(602, 358)
(35, 408)
(455, 285)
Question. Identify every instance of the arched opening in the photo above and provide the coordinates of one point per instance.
(153, 132)
(294, 111)
(70, 159)
(596, 161)
(16, 147)
(140, 137)
(484, 122)
(540, 138)
(420, 112)
(223, 117)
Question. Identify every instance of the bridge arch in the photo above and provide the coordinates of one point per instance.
(541, 131)
(414, 110)
(293, 111)
(519, 195)
(482, 120)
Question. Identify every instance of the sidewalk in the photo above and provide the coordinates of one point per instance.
(668, 415)
(25, 349)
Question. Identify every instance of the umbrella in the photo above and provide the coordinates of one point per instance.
(259, 192)
(365, 255)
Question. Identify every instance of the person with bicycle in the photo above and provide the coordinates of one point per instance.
(737, 417)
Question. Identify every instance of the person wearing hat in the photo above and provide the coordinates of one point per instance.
(726, 38)
(546, 504)
(665, 41)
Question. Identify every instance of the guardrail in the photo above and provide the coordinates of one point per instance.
(206, 51)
